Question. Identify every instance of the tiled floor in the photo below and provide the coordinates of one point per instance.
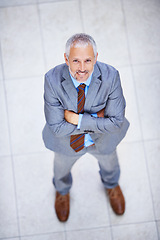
(33, 35)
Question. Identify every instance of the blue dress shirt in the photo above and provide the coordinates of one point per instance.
(88, 140)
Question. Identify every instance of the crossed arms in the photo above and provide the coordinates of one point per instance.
(73, 118)
(63, 122)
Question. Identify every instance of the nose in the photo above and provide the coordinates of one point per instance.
(82, 66)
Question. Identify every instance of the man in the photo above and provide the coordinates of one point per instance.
(84, 110)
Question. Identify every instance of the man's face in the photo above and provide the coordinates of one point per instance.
(81, 62)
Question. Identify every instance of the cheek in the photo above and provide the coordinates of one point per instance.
(90, 68)
(73, 67)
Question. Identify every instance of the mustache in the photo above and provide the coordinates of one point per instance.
(82, 71)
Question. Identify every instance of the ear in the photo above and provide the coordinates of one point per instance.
(66, 59)
(96, 58)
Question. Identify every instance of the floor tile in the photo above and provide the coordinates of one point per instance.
(148, 88)
(51, 236)
(4, 136)
(110, 36)
(135, 185)
(8, 219)
(143, 21)
(134, 133)
(88, 199)
(22, 53)
(153, 152)
(26, 114)
(145, 231)
(93, 234)
(58, 24)
(35, 194)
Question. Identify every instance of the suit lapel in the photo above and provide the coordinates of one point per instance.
(69, 87)
(93, 88)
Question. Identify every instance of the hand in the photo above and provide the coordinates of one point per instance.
(71, 117)
(101, 113)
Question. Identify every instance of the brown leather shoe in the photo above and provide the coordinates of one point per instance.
(62, 206)
(117, 200)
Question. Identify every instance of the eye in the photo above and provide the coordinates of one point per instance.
(75, 61)
(88, 60)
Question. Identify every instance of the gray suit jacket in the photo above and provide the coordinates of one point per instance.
(104, 92)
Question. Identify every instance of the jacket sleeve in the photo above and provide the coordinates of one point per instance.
(114, 112)
(54, 112)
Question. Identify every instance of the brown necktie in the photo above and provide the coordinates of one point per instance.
(77, 141)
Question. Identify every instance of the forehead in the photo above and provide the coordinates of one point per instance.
(81, 51)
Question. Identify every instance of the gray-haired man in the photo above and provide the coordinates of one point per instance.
(84, 110)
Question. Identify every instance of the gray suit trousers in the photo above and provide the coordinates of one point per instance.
(108, 163)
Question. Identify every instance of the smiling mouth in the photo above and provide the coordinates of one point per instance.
(82, 73)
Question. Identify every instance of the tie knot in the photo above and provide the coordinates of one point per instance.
(82, 86)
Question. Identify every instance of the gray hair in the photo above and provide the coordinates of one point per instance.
(80, 39)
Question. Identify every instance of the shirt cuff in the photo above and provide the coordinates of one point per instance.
(79, 121)
(94, 115)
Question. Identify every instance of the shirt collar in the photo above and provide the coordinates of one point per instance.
(76, 83)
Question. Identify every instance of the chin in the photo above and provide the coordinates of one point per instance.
(82, 79)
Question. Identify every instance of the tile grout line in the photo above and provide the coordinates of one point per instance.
(134, 223)
(80, 230)
(40, 234)
(131, 65)
(10, 144)
(138, 110)
(23, 78)
(97, 228)
(114, 225)
(32, 4)
(18, 5)
(54, 1)
(42, 38)
(110, 222)
(150, 186)
(158, 229)
(81, 15)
